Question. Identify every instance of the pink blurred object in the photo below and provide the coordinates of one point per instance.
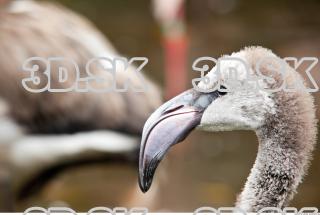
(175, 53)
(171, 16)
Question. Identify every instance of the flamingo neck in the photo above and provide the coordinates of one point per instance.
(285, 146)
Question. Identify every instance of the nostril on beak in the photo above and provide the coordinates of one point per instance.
(172, 109)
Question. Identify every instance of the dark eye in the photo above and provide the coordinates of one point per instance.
(222, 93)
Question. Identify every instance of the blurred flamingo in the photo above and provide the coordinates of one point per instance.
(44, 131)
(170, 14)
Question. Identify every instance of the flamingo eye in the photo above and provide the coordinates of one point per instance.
(222, 93)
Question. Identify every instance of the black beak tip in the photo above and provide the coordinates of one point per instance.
(146, 174)
(144, 183)
(143, 188)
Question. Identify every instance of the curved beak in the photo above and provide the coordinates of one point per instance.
(168, 125)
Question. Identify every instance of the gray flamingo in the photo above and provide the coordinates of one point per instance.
(284, 123)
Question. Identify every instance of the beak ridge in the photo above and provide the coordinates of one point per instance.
(168, 125)
(166, 133)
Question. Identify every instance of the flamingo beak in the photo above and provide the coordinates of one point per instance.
(168, 125)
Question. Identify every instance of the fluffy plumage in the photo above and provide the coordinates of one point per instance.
(285, 125)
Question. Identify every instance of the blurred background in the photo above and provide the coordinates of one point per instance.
(206, 169)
